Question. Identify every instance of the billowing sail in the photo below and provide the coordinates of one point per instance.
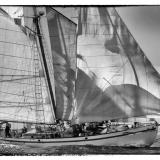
(21, 88)
(115, 78)
(62, 33)
(145, 74)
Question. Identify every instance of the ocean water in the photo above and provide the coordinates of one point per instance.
(8, 149)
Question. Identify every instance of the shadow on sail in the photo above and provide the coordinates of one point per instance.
(116, 102)
(125, 84)
(63, 44)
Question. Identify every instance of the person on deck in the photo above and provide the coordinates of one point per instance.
(7, 130)
(24, 129)
(68, 131)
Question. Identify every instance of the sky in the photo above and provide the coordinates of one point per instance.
(142, 21)
(144, 25)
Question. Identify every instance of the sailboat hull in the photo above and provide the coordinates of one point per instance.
(137, 137)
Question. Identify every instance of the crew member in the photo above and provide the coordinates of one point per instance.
(7, 130)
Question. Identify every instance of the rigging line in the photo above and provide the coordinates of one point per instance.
(19, 106)
(96, 24)
(97, 34)
(4, 13)
(53, 10)
(16, 102)
(57, 35)
(17, 79)
(28, 103)
(15, 115)
(17, 44)
(88, 56)
(26, 90)
(14, 94)
(11, 30)
(90, 88)
(15, 69)
(26, 121)
(97, 44)
(97, 56)
(65, 38)
(101, 67)
(100, 34)
(7, 55)
(101, 25)
(98, 15)
(29, 84)
(47, 111)
(11, 75)
(89, 33)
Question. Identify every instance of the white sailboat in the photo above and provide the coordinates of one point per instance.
(98, 74)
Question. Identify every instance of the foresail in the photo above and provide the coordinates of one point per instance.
(18, 77)
(115, 79)
(62, 33)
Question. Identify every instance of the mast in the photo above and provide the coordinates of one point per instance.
(45, 63)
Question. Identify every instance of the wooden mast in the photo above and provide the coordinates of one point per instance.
(36, 19)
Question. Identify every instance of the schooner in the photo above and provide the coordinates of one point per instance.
(54, 69)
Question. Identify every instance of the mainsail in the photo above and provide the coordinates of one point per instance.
(115, 78)
(20, 76)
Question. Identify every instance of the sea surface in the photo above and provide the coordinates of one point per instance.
(11, 150)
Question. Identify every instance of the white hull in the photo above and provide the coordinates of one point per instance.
(138, 137)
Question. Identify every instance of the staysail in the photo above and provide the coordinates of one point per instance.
(115, 78)
(62, 33)
(20, 76)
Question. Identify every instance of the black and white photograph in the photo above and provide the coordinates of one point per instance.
(79, 80)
